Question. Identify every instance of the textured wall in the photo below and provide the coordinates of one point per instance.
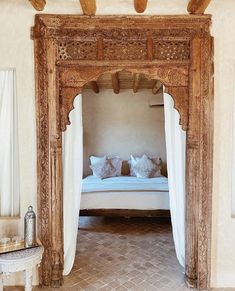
(121, 124)
(16, 50)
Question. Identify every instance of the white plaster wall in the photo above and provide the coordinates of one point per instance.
(121, 124)
(223, 250)
(16, 50)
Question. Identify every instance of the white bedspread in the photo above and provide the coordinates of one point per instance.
(124, 183)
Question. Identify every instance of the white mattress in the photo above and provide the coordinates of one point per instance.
(125, 193)
(124, 183)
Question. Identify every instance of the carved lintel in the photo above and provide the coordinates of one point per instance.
(77, 77)
(180, 25)
(67, 96)
(180, 96)
(167, 75)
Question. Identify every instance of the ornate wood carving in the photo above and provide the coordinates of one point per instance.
(71, 51)
(180, 96)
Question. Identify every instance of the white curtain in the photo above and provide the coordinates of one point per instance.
(9, 164)
(176, 152)
(72, 179)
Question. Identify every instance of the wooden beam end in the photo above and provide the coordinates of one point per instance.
(136, 82)
(95, 87)
(115, 83)
(140, 5)
(39, 5)
(88, 7)
(156, 87)
(198, 6)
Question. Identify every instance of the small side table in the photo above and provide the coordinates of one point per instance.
(23, 260)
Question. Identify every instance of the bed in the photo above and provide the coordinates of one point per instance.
(125, 195)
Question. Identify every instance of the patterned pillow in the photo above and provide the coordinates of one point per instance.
(113, 171)
(117, 164)
(102, 169)
(132, 162)
(156, 171)
(144, 167)
(94, 159)
(158, 162)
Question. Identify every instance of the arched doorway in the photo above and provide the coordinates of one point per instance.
(73, 50)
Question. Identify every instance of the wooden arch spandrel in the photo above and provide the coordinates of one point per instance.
(72, 82)
(73, 50)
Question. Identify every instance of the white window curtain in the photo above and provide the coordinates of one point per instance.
(176, 152)
(9, 164)
(72, 180)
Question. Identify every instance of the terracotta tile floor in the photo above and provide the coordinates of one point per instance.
(124, 254)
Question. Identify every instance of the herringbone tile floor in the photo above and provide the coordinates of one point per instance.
(124, 254)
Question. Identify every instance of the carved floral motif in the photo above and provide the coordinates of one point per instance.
(172, 50)
(77, 50)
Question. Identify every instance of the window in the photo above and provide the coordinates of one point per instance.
(9, 165)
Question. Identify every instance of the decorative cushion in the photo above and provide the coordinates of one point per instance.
(151, 166)
(117, 164)
(104, 167)
(94, 159)
(132, 162)
(158, 162)
(144, 167)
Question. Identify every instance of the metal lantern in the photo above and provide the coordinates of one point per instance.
(30, 228)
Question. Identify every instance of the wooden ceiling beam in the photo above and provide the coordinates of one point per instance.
(115, 83)
(136, 82)
(156, 87)
(95, 87)
(38, 4)
(198, 6)
(88, 7)
(140, 5)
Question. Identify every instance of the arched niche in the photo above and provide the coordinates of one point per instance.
(73, 50)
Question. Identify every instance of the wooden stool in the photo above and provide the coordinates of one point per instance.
(23, 260)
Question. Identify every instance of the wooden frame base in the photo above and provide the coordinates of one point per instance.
(71, 51)
(125, 213)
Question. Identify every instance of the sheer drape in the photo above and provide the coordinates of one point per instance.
(9, 165)
(72, 178)
(176, 150)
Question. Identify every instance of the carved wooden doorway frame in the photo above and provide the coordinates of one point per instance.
(73, 50)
